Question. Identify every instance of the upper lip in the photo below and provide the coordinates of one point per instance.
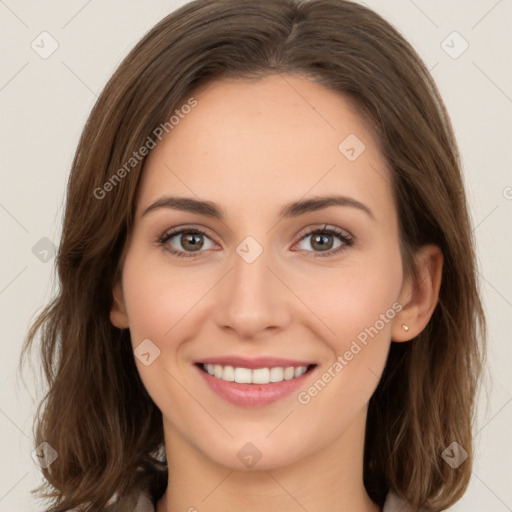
(253, 362)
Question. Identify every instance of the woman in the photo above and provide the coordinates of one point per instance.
(266, 195)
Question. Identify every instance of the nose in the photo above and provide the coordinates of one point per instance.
(253, 300)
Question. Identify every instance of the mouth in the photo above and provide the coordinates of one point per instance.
(260, 376)
(250, 383)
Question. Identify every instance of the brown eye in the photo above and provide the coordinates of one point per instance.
(185, 242)
(191, 241)
(322, 242)
(327, 240)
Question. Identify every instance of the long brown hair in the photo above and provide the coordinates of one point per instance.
(97, 415)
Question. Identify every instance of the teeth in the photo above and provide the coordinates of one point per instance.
(242, 375)
(260, 376)
(228, 373)
(300, 371)
(256, 376)
(276, 374)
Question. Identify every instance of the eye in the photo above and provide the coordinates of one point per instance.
(185, 242)
(323, 240)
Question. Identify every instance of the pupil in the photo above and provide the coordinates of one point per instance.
(191, 240)
(323, 244)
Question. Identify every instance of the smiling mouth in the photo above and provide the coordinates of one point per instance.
(259, 376)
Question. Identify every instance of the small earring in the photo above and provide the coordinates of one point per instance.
(405, 327)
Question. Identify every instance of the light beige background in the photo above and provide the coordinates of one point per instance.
(44, 105)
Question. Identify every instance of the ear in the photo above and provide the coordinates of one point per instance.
(118, 315)
(419, 297)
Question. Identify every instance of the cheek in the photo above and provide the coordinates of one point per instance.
(160, 303)
(357, 298)
(158, 296)
(165, 305)
(360, 308)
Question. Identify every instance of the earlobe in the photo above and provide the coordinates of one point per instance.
(118, 315)
(419, 297)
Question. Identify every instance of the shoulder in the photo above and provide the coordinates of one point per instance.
(143, 503)
(138, 501)
(394, 503)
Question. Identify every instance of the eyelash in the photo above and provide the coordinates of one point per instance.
(348, 241)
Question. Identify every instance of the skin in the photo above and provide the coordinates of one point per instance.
(251, 147)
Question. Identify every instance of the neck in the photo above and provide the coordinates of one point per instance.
(330, 480)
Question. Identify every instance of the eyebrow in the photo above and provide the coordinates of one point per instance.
(294, 209)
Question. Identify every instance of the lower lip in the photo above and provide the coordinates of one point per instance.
(253, 395)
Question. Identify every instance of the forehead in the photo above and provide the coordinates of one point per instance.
(261, 143)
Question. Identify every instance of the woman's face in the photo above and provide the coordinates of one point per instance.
(280, 278)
